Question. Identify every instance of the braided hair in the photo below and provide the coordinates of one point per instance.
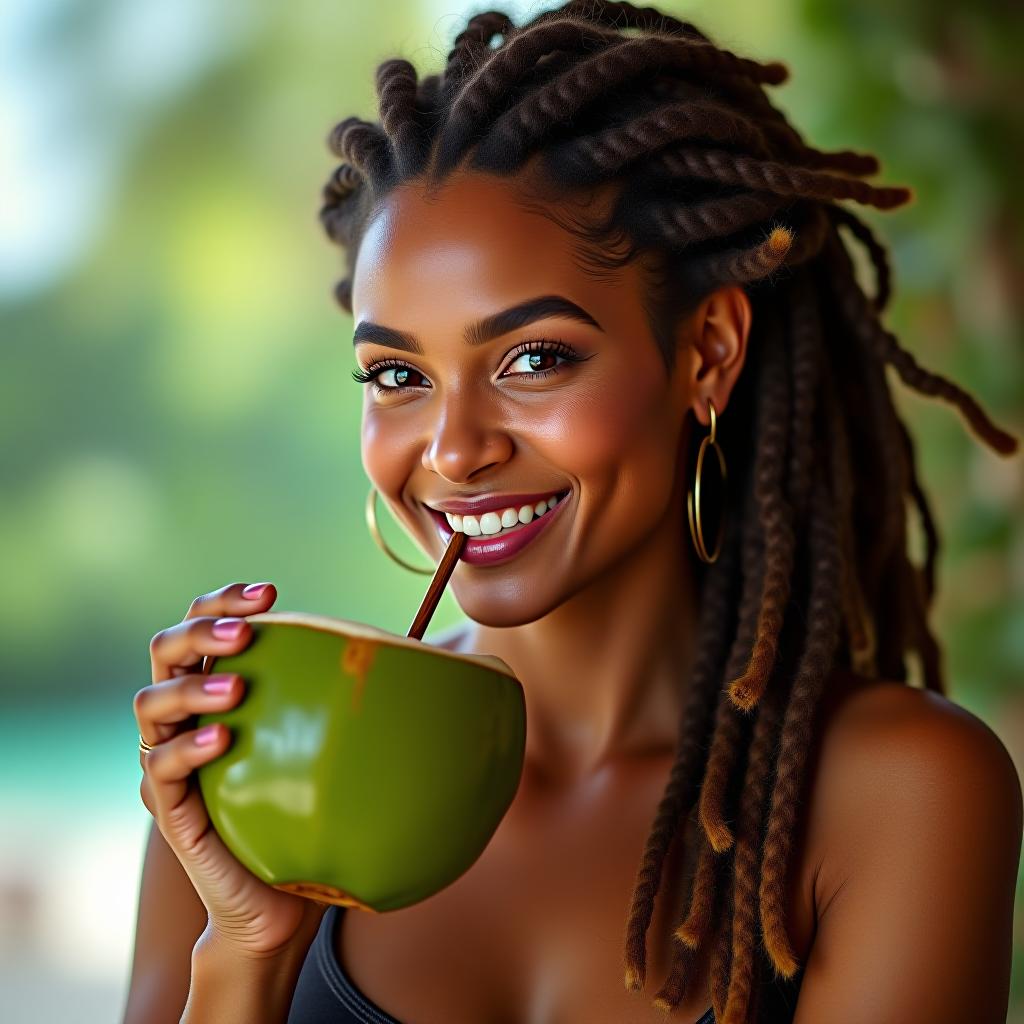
(814, 573)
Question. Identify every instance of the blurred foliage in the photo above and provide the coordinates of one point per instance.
(176, 401)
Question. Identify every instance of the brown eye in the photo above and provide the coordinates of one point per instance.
(400, 377)
(536, 360)
(540, 358)
(389, 375)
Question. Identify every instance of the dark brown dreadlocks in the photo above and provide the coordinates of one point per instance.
(814, 571)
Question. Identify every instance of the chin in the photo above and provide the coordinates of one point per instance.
(501, 602)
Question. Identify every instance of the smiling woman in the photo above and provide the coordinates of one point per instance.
(563, 392)
(587, 246)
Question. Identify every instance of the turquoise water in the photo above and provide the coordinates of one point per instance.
(73, 756)
(71, 846)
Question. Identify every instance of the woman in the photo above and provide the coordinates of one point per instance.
(591, 267)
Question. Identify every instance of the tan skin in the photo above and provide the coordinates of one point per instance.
(900, 894)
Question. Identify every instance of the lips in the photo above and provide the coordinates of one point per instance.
(490, 550)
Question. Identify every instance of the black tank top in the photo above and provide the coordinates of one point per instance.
(325, 994)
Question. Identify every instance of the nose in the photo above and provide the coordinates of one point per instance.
(467, 440)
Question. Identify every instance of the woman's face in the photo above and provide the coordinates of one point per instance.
(575, 402)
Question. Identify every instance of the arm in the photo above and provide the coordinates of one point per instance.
(171, 918)
(915, 892)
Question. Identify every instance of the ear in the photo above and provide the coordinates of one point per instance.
(719, 329)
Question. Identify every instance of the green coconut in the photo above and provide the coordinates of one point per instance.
(366, 769)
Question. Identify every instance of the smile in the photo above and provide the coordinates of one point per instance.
(496, 536)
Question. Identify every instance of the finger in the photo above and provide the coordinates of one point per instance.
(187, 828)
(161, 708)
(146, 788)
(176, 802)
(233, 600)
(201, 852)
(179, 649)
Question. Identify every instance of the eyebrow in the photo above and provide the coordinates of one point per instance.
(483, 331)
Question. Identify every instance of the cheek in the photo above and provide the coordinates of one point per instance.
(609, 430)
(620, 443)
(387, 452)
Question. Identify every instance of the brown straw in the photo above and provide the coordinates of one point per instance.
(444, 569)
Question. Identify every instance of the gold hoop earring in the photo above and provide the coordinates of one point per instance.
(371, 522)
(693, 506)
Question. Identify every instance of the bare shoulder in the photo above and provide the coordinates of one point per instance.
(917, 823)
(887, 741)
(896, 761)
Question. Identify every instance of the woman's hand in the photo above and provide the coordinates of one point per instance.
(245, 914)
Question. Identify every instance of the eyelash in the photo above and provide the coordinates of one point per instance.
(560, 348)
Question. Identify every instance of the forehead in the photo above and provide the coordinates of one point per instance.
(466, 249)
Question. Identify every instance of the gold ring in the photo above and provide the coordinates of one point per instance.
(144, 747)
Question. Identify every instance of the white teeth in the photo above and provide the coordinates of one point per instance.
(491, 523)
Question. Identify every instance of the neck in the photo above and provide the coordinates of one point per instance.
(604, 674)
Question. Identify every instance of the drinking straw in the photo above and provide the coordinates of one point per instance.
(440, 580)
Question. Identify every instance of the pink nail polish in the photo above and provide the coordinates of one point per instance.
(206, 736)
(254, 590)
(227, 629)
(217, 685)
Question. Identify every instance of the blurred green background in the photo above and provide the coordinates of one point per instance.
(175, 399)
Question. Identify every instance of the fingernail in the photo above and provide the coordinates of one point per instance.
(254, 590)
(206, 736)
(217, 684)
(227, 629)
